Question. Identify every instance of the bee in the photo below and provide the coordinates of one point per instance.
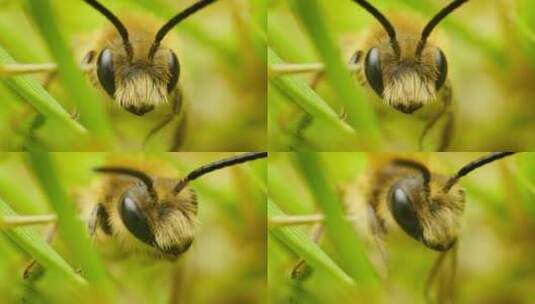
(134, 67)
(131, 64)
(404, 68)
(150, 212)
(427, 206)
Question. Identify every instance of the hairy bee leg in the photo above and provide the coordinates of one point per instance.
(446, 98)
(448, 291)
(301, 269)
(175, 109)
(177, 282)
(33, 267)
(432, 276)
(447, 131)
(180, 133)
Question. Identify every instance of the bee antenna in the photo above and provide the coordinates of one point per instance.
(384, 22)
(423, 170)
(147, 180)
(472, 166)
(117, 23)
(174, 21)
(216, 165)
(435, 21)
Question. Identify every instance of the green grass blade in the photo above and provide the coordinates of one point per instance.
(359, 112)
(91, 110)
(343, 236)
(298, 241)
(31, 92)
(299, 92)
(39, 249)
(70, 227)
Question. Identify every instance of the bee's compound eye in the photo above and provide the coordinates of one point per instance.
(135, 221)
(373, 71)
(403, 211)
(442, 68)
(174, 71)
(106, 72)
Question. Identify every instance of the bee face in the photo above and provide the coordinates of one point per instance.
(400, 65)
(139, 83)
(162, 219)
(132, 66)
(405, 81)
(432, 220)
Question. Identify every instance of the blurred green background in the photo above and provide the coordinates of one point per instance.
(496, 247)
(222, 54)
(226, 263)
(490, 47)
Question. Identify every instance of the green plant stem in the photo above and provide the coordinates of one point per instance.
(70, 227)
(340, 232)
(91, 110)
(37, 248)
(360, 114)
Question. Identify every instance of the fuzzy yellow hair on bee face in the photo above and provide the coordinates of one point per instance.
(399, 64)
(131, 65)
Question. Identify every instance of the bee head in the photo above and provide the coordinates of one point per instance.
(162, 212)
(425, 212)
(137, 72)
(407, 73)
(428, 206)
(155, 214)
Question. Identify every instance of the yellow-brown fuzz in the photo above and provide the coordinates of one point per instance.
(439, 218)
(173, 218)
(409, 82)
(141, 81)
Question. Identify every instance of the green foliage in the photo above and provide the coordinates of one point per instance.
(30, 91)
(91, 113)
(34, 245)
(299, 242)
(360, 115)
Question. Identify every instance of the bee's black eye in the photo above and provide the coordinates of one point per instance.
(174, 69)
(106, 72)
(403, 211)
(373, 71)
(135, 221)
(442, 67)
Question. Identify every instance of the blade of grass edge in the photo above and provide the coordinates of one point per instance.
(91, 109)
(39, 249)
(301, 244)
(340, 232)
(360, 114)
(70, 227)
